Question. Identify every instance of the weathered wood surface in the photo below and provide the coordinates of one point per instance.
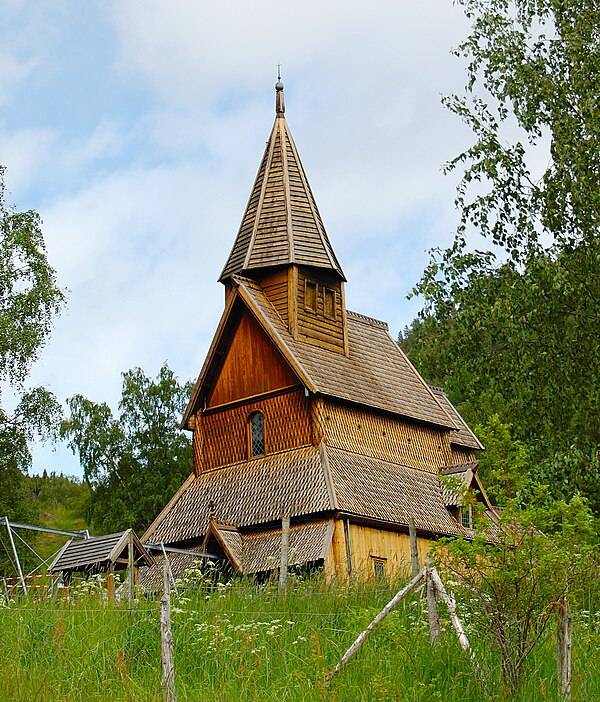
(362, 637)
(166, 638)
(387, 438)
(414, 551)
(432, 608)
(564, 631)
(285, 552)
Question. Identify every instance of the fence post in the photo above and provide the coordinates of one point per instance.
(131, 567)
(564, 631)
(414, 552)
(432, 608)
(285, 552)
(166, 637)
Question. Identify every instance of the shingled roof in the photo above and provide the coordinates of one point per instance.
(281, 224)
(307, 483)
(375, 374)
(463, 436)
(98, 553)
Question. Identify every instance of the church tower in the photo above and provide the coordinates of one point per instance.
(282, 246)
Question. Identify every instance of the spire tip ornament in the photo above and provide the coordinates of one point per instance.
(279, 103)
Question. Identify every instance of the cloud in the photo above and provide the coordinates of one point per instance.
(141, 158)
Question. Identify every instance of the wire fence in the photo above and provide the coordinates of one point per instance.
(237, 641)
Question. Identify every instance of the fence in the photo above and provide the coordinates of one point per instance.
(235, 641)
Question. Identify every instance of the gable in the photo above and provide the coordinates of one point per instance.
(251, 366)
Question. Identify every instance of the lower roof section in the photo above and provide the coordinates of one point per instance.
(308, 483)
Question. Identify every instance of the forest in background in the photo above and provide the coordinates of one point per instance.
(510, 331)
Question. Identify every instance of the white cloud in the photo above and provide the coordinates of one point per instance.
(142, 207)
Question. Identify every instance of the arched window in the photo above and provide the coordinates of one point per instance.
(257, 434)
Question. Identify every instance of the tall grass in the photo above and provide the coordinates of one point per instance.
(238, 642)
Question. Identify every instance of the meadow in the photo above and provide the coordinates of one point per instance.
(237, 642)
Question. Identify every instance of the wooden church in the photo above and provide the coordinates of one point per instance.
(307, 411)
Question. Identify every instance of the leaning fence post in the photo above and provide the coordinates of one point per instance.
(166, 638)
(564, 631)
(362, 637)
(432, 608)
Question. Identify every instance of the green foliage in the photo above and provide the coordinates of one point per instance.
(514, 580)
(513, 331)
(133, 464)
(29, 302)
(249, 643)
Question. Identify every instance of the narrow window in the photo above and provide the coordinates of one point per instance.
(468, 517)
(310, 296)
(329, 303)
(257, 434)
(378, 567)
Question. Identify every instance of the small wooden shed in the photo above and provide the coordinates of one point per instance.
(101, 554)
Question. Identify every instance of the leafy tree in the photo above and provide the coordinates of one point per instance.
(513, 331)
(29, 301)
(133, 463)
(512, 582)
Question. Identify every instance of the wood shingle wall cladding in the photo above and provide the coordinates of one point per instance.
(386, 437)
(222, 437)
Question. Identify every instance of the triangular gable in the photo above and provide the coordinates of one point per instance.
(229, 540)
(251, 366)
(239, 301)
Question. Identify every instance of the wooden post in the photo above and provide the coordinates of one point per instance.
(362, 637)
(432, 608)
(414, 552)
(564, 631)
(110, 583)
(285, 552)
(130, 567)
(166, 638)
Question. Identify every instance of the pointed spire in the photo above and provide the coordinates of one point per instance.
(281, 224)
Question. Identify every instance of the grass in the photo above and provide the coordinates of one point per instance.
(237, 643)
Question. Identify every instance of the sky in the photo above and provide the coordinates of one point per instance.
(136, 127)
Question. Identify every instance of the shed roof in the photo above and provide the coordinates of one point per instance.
(281, 224)
(99, 552)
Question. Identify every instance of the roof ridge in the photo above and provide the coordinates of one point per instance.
(372, 321)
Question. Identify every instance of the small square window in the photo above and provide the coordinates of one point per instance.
(310, 296)
(378, 567)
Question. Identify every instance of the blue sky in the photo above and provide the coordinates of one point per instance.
(136, 128)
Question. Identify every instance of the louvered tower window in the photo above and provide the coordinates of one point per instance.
(257, 434)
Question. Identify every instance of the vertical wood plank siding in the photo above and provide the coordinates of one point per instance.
(252, 366)
(275, 287)
(315, 327)
(387, 438)
(224, 433)
(462, 454)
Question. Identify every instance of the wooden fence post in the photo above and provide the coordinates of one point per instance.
(432, 608)
(362, 637)
(130, 567)
(285, 552)
(414, 552)
(564, 631)
(166, 638)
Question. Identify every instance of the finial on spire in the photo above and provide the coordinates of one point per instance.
(279, 103)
